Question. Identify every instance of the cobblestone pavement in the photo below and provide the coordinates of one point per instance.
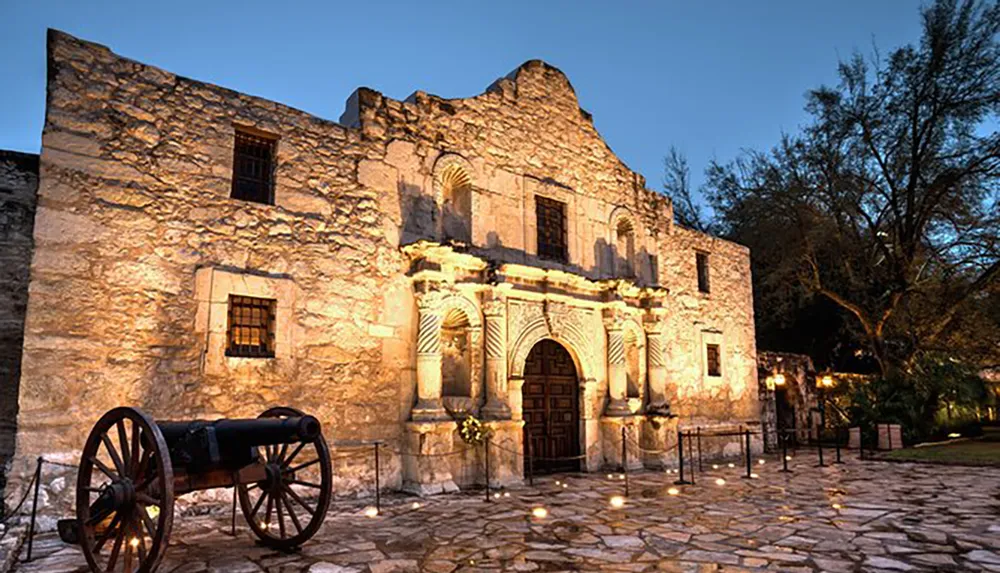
(861, 516)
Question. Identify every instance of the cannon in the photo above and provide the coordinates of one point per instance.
(132, 469)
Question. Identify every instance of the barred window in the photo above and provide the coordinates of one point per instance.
(551, 223)
(253, 167)
(251, 327)
(702, 261)
(712, 358)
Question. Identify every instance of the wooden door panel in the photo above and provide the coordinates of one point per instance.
(551, 407)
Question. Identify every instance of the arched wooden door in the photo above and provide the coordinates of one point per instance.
(551, 408)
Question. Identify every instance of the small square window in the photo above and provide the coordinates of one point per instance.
(251, 327)
(253, 168)
(702, 261)
(713, 360)
(551, 222)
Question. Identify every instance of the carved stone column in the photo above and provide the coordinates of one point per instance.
(497, 393)
(656, 366)
(428, 407)
(617, 383)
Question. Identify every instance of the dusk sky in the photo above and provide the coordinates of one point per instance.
(711, 77)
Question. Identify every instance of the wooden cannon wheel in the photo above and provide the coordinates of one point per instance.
(274, 508)
(124, 493)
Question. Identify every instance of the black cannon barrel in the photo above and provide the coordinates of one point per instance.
(247, 432)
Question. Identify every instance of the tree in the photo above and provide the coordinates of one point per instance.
(887, 203)
(677, 186)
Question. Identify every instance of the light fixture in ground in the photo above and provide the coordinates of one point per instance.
(416, 505)
(539, 513)
(617, 501)
(673, 491)
(761, 462)
(720, 481)
(371, 511)
(754, 476)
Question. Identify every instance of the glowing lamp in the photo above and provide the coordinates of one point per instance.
(779, 379)
(371, 511)
(416, 505)
(673, 491)
(826, 381)
(617, 502)
(720, 481)
(540, 512)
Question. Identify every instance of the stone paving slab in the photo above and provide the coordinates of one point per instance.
(860, 516)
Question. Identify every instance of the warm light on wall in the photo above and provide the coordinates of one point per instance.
(826, 381)
(779, 379)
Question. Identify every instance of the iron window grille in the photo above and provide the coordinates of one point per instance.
(253, 168)
(551, 223)
(712, 357)
(251, 327)
(702, 261)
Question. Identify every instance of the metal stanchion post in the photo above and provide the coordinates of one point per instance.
(378, 486)
(747, 449)
(699, 450)
(819, 446)
(531, 460)
(34, 505)
(232, 525)
(487, 469)
(690, 450)
(837, 442)
(680, 458)
(625, 461)
(784, 452)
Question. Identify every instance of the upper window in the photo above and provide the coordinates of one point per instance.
(251, 327)
(551, 222)
(702, 260)
(713, 360)
(625, 248)
(253, 168)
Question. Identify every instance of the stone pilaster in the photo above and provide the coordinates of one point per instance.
(617, 383)
(497, 389)
(427, 470)
(429, 406)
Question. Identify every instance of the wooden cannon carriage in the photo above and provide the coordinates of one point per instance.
(132, 468)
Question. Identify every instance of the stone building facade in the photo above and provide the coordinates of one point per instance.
(411, 263)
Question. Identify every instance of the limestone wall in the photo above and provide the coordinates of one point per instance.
(136, 231)
(18, 194)
(723, 316)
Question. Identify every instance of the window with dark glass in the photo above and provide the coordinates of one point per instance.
(551, 222)
(251, 327)
(253, 167)
(702, 260)
(712, 358)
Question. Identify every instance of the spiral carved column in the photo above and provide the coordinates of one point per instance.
(429, 405)
(656, 370)
(617, 382)
(497, 404)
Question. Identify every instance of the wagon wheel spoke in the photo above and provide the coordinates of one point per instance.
(114, 455)
(256, 507)
(291, 512)
(281, 517)
(128, 557)
(123, 444)
(135, 451)
(267, 514)
(146, 499)
(294, 453)
(305, 483)
(116, 549)
(302, 466)
(142, 545)
(147, 521)
(281, 454)
(103, 538)
(299, 500)
(104, 469)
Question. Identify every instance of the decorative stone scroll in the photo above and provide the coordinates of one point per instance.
(497, 394)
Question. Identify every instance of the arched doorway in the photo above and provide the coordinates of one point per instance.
(551, 407)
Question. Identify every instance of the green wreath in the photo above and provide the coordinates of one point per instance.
(473, 431)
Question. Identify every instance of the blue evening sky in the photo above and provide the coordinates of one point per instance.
(709, 76)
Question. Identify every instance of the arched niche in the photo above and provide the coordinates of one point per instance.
(453, 183)
(623, 244)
